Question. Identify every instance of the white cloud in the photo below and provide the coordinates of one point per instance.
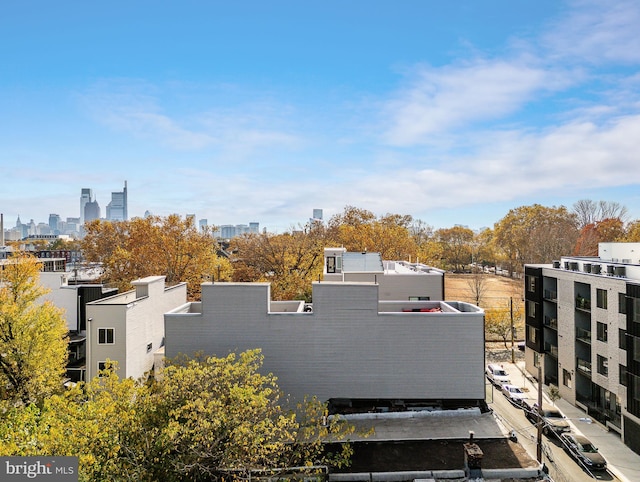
(438, 100)
(595, 31)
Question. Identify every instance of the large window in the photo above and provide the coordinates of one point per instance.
(106, 336)
(532, 334)
(622, 303)
(603, 366)
(601, 298)
(566, 378)
(623, 375)
(602, 331)
(622, 339)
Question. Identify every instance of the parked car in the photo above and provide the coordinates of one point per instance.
(553, 422)
(513, 393)
(497, 375)
(581, 449)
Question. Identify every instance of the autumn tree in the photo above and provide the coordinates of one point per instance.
(171, 246)
(391, 235)
(33, 335)
(502, 318)
(456, 245)
(535, 234)
(607, 230)
(589, 212)
(289, 261)
(632, 232)
(206, 419)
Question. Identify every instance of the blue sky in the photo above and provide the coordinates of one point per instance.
(452, 112)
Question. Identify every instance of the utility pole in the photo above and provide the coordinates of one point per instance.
(539, 411)
(513, 353)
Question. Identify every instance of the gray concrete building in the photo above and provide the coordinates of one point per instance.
(349, 344)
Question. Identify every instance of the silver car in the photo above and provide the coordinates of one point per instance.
(581, 449)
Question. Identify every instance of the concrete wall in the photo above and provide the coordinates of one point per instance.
(345, 348)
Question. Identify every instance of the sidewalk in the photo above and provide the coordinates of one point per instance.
(623, 462)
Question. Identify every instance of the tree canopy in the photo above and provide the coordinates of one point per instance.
(206, 418)
(169, 246)
(33, 332)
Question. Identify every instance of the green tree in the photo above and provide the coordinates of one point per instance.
(33, 335)
(205, 419)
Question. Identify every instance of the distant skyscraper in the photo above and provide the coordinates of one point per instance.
(86, 196)
(254, 227)
(317, 214)
(202, 224)
(54, 223)
(91, 211)
(117, 208)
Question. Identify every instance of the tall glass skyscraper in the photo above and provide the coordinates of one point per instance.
(117, 208)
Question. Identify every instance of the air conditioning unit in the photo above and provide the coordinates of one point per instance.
(620, 271)
(586, 267)
(610, 269)
(556, 264)
(595, 268)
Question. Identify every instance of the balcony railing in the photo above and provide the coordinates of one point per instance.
(551, 350)
(551, 322)
(583, 335)
(583, 366)
(583, 303)
(550, 295)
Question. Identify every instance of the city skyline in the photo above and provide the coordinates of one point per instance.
(453, 114)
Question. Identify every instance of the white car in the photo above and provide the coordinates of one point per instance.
(513, 393)
(497, 375)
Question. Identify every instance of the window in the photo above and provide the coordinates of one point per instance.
(602, 331)
(623, 375)
(419, 298)
(603, 366)
(103, 365)
(636, 310)
(106, 336)
(636, 348)
(331, 264)
(149, 347)
(566, 378)
(531, 284)
(622, 339)
(531, 309)
(622, 303)
(532, 334)
(601, 298)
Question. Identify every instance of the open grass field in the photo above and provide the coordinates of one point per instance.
(495, 290)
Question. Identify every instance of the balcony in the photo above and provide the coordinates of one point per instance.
(583, 366)
(550, 349)
(550, 295)
(583, 335)
(551, 322)
(583, 303)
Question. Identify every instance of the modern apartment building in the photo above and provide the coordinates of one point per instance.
(583, 333)
(351, 344)
(129, 327)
